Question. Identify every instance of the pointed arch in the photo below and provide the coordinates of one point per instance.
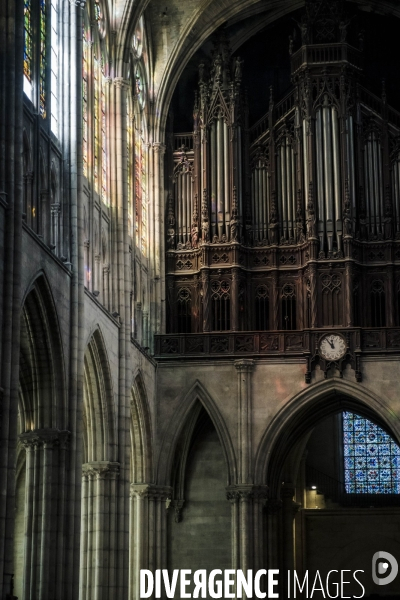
(300, 415)
(141, 434)
(42, 371)
(99, 423)
(182, 416)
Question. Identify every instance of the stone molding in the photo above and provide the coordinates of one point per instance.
(101, 469)
(48, 438)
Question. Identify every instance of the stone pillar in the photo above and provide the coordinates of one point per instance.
(55, 227)
(97, 281)
(98, 530)
(244, 369)
(44, 227)
(44, 518)
(247, 503)
(289, 510)
(148, 531)
(273, 537)
(106, 286)
(87, 274)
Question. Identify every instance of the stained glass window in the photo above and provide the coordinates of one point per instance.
(85, 91)
(42, 60)
(140, 194)
(28, 48)
(104, 170)
(371, 458)
(96, 115)
(129, 134)
(55, 42)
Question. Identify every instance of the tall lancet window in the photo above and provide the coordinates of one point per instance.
(42, 60)
(371, 458)
(95, 119)
(137, 129)
(85, 96)
(28, 49)
(42, 57)
(55, 49)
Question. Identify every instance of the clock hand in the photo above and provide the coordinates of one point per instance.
(331, 344)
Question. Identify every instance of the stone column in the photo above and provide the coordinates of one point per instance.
(98, 530)
(244, 369)
(247, 502)
(97, 281)
(106, 286)
(44, 518)
(289, 510)
(148, 531)
(55, 227)
(273, 538)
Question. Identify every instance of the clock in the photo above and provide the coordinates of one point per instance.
(332, 346)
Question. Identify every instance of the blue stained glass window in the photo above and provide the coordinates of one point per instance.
(371, 458)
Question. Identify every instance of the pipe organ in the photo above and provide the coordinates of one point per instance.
(294, 222)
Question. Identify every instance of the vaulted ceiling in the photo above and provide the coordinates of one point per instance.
(177, 29)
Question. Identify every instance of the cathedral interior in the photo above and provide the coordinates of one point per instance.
(199, 291)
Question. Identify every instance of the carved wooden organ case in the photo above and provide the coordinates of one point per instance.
(294, 223)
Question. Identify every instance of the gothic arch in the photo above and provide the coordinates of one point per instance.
(182, 416)
(99, 435)
(141, 436)
(300, 415)
(42, 370)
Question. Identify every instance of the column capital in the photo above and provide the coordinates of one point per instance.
(245, 493)
(159, 148)
(48, 438)
(101, 469)
(121, 82)
(146, 490)
(244, 365)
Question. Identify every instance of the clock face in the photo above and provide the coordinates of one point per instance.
(332, 346)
